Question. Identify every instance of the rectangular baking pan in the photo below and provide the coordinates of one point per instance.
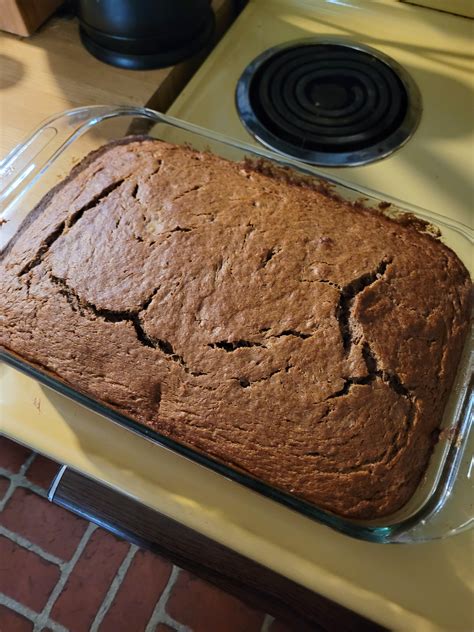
(441, 505)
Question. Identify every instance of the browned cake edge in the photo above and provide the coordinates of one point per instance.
(288, 176)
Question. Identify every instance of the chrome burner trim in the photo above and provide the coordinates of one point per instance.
(367, 155)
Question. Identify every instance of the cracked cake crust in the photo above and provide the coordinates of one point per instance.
(245, 313)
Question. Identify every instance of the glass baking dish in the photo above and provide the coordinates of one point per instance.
(442, 505)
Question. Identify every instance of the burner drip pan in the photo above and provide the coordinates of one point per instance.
(327, 103)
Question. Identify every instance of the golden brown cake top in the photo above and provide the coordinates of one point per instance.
(282, 331)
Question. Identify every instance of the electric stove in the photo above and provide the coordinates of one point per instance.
(417, 147)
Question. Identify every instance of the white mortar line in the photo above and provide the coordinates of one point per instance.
(113, 588)
(8, 494)
(34, 487)
(24, 466)
(159, 613)
(26, 484)
(29, 614)
(7, 473)
(42, 620)
(15, 479)
(267, 621)
(30, 546)
(11, 603)
(20, 477)
(21, 481)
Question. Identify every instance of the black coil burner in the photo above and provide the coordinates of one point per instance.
(327, 103)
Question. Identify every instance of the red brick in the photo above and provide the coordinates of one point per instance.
(89, 581)
(136, 598)
(42, 471)
(162, 627)
(12, 455)
(25, 576)
(11, 621)
(54, 529)
(205, 608)
(4, 485)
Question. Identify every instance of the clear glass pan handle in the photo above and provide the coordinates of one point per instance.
(32, 157)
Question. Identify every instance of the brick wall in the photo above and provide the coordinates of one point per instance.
(61, 573)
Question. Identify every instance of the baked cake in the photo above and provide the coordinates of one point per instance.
(258, 319)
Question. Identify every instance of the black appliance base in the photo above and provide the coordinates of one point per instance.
(159, 59)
